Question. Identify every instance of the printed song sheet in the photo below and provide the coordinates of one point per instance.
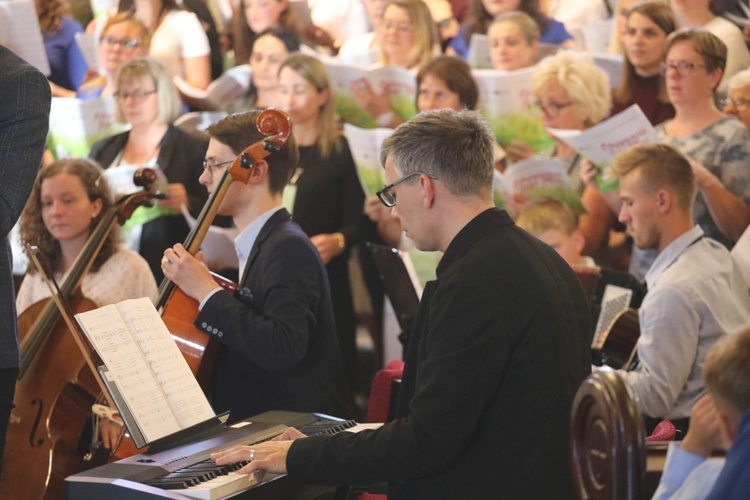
(148, 368)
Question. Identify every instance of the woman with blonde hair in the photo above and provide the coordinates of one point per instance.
(408, 39)
(573, 93)
(647, 25)
(148, 101)
(329, 197)
(514, 41)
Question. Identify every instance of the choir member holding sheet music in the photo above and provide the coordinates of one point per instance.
(148, 101)
(67, 202)
(573, 93)
(329, 197)
(717, 145)
(484, 11)
(123, 38)
(646, 28)
(65, 57)
(408, 39)
(514, 41)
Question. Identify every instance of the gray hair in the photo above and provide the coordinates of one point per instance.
(740, 80)
(455, 146)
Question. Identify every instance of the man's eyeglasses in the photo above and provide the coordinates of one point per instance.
(388, 198)
(111, 41)
(139, 95)
(737, 103)
(552, 108)
(682, 68)
(210, 165)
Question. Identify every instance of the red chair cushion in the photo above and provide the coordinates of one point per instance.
(380, 394)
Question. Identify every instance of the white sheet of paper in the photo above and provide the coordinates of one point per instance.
(603, 141)
(89, 45)
(218, 244)
(19, 31)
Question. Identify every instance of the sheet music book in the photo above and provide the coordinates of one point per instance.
(19, 31)
(222, 92)
(538, 178)
(505, 99)
(75, 125)
(399, 83)
(155, 381)
(603, 141)
(365, 146)
(615, 300)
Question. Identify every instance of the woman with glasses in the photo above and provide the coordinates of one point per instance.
(738, 102)
(123, 38)
(717, 145)
(647, 25)
(148, 101)
(706, 15)
(328, 197)
(573, 93)
(408, 39)
(484, 12)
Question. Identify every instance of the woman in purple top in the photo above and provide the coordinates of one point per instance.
(66, 62)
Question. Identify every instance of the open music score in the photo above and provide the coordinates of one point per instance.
(147, 368)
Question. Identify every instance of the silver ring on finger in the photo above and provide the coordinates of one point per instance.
(251, 456)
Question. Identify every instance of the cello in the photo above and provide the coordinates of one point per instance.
(56, 388)
(179, 311)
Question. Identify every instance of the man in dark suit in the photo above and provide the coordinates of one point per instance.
(499, 347)
(24, 119)
(281, 350)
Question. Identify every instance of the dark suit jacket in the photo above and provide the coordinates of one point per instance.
(24, 120)
(499, 347)
(281, 351)
(181, 158)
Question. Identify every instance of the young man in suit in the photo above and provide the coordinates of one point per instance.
(696, 292)
(24, 120)
(499, 347)
(279, 338)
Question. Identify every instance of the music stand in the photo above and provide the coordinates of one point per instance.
(397, 283)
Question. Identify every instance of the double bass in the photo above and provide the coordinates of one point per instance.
(56, 389)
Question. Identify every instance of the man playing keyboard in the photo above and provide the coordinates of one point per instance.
(499, 347)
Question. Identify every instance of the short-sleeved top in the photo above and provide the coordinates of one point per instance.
(66, 62)
(724, 149)
(179, 36)
(125, 275)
